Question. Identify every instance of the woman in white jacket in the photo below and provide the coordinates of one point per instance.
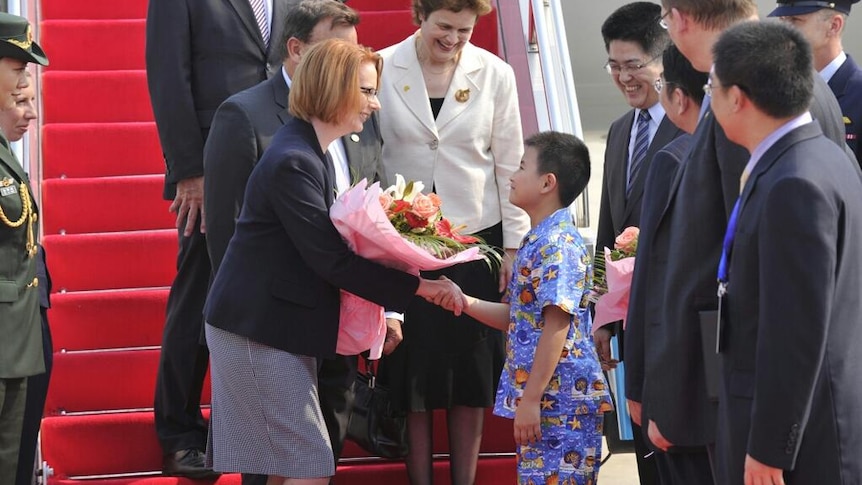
(450, 119)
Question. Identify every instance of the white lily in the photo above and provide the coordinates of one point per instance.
(404, 190)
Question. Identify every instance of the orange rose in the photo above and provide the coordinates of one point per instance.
(386, 201)
(627, 242)
(424, 206)
(435, 199)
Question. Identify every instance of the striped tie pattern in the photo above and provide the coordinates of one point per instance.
(640, 150)
(259, 9)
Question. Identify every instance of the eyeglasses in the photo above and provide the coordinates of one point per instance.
(628, 68)
(660, 83)
(662, 22)
(369, 93)
(707, 88)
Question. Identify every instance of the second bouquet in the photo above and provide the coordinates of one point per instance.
(401, 228)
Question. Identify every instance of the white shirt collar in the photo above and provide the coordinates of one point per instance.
(827, 72)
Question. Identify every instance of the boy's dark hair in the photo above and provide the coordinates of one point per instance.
(770, 62)
(565, 156)
(679, 74)
(303, 17)
(637, 22)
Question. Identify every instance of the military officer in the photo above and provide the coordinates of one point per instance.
(822, 24)
(20, 324)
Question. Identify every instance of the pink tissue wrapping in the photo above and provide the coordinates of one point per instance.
(362, 222)
(614, 304)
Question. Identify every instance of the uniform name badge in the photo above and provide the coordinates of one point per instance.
(8, 190)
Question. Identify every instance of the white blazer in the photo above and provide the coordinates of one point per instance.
(472, 148)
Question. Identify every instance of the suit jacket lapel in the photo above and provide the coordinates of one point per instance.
(772, 155)
(674, 186)
(280, 93)
(463, 89)
(619, 144)
(410, 85)
(8, 159)
(838, 83)
(667, 131)
(276, 30)
(243, 9)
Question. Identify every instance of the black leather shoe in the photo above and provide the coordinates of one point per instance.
(187, 463)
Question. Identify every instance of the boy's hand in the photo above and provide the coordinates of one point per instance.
(527, 426)
(443, 292)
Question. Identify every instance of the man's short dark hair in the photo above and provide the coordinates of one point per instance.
(770, 62)
(565, 156)
(637, 22)
(680, 74)
(303, 17)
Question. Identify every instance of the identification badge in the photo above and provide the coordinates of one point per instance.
(722, 290)
(8, 190)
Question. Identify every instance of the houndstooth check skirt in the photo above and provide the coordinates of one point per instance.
(266, 415)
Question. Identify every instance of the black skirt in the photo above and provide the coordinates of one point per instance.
(444, 360)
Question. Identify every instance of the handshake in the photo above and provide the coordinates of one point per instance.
(443, 292)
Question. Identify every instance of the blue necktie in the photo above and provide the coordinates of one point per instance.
(640, 149)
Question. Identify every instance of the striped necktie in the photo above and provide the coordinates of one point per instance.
(640, 149)
(259, 8)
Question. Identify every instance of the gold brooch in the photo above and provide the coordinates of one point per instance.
(462, 95)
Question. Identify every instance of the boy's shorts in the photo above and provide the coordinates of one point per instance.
(569, 453)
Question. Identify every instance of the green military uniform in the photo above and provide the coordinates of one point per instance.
(20, 322)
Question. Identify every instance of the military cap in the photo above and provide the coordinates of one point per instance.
(16, 40)
(790, 8)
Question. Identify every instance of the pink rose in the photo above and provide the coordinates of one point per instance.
(424, 206)
(627, 242)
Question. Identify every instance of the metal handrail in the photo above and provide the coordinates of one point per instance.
(562, 100)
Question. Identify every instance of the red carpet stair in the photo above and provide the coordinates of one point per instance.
(111, 248)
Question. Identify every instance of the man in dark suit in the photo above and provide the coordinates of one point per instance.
(634, 42)
(677, 406)
(242, 130)
(681, 93)
(198, 54)
(790, 399)
(822, 24)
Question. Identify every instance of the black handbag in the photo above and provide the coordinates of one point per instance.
(374, 423)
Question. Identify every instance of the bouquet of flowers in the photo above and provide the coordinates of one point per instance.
(613, 279)
(401, 228)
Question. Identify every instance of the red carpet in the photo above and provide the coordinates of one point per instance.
(111, 248)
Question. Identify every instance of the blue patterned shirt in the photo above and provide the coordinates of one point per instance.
(552, 267)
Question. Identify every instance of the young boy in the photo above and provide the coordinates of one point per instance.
(552, 383)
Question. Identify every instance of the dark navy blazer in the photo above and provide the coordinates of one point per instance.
(279, 281)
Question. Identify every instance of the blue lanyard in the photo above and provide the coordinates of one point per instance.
(727, 247)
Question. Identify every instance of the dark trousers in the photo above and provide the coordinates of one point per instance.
(13, 394)
(645, 458)
(37, 392)
(335, 389)
(684, 466)
(647, 468)
(184, 357)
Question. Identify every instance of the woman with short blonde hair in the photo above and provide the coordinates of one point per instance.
(273, 310)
